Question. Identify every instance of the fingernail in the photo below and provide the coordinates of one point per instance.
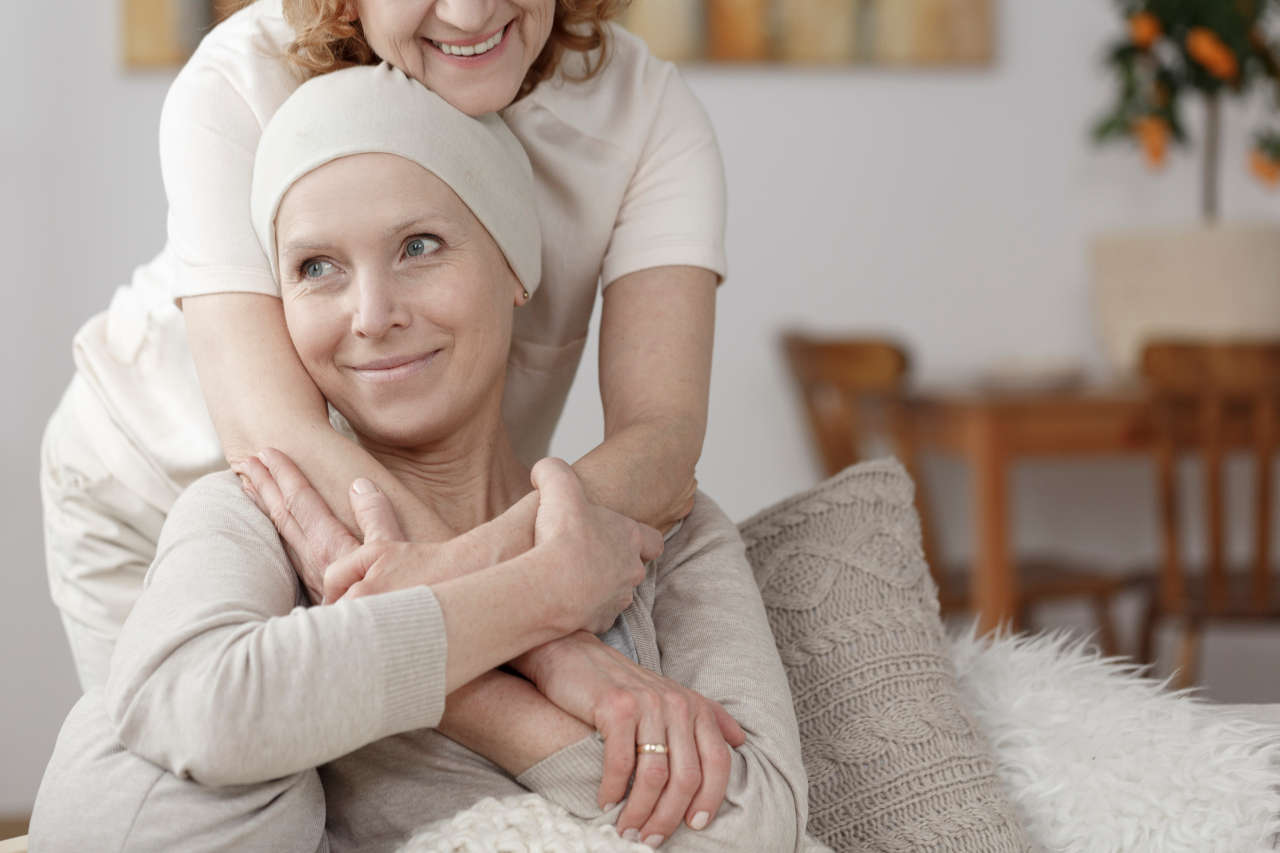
(700, 820)
(632, 834)
(361, 486)
(653, 840)
(609, 807)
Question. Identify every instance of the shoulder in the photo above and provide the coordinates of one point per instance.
(216, 505)
(238, 67)
(621, 103)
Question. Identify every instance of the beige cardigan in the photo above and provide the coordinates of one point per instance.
(223, 677)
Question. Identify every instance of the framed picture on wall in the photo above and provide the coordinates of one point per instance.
(162, 33)
(818, 32)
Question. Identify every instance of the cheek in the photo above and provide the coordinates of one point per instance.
(316, 334)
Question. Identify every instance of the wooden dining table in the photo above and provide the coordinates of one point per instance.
(992, 429)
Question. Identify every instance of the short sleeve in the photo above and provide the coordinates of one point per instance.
(673, 210)
(208, 136)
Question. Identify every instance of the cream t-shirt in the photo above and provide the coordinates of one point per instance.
(628, 176)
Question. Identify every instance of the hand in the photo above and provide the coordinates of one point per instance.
(630, 705)
(313, 536)
(598, 555)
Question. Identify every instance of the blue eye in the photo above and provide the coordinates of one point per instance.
(315, 268)
(421, 245)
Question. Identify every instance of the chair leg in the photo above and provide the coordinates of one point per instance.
(1024, 623)
(1188, 654)
(1150, 621)
(1106, 626)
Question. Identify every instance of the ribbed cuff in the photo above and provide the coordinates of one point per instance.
(412, 650)
(570, 777)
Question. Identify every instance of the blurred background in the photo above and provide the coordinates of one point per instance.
(935, 185)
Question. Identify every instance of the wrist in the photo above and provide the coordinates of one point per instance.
(537, 663)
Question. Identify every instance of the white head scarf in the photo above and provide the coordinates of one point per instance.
(378, 109)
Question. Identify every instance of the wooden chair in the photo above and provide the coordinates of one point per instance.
(1211, 397)
(855, 387)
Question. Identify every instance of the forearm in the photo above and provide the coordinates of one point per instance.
(656, 335)
(218, 675)
(504, 718)
(645, 469)
(254, 407)
(497, 614)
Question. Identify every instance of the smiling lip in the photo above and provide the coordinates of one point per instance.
(475, 59)
(471, 42)
(393, 368)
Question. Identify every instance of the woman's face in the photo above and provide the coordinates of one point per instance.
(397, 299)
(429, 40)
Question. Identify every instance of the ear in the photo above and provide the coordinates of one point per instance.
(522, 295)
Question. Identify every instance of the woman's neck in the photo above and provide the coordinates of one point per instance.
(467, 479)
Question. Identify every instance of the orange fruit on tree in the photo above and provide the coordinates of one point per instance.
(1153, 136)
(1266, 167)
(1144, 29)
(1207, 49)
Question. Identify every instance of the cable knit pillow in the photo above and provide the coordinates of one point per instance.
(895, 762)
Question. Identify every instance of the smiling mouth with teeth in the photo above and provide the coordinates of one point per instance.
(471, 49)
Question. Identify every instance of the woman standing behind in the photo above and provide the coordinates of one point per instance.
(629, 190)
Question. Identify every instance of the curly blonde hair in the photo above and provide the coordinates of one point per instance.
(325, 41)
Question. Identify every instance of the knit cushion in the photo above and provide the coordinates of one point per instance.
(895, 762)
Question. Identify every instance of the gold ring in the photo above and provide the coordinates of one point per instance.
(651, 749)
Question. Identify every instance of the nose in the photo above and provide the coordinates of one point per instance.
(378, 308)
(466, 16)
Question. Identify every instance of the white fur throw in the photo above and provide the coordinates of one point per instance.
(524, 824)
(1098, 758)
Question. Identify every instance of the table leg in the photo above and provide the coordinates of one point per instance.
(993, 581)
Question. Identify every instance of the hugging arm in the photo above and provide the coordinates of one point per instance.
(656, 334)
(220, 677)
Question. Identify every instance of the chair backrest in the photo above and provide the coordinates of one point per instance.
(853, 387)
(841, 381)
(1214, 397)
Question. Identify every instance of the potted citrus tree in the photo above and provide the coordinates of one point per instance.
(1210, 278)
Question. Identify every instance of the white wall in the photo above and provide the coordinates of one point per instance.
(951, 208)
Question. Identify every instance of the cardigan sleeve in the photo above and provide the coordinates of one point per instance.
(219, 676)
(714, 638)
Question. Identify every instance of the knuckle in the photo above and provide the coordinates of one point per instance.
(688, 778)
(678, 705)
(655, 774)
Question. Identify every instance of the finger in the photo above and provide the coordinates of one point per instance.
(684, 765)
(650, 542)
(344, 573)
(729, 728)
(554, 478)
(374, 513)
(304, 503)
(272, 502)
(617, 724)
(716, 761)
(650, 774)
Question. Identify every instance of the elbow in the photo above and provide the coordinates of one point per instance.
(176, 724)
(759, 788)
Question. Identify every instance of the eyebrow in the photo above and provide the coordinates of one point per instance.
(309, 244)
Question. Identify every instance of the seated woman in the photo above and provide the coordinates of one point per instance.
(237, 717)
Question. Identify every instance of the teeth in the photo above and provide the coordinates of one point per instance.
(471, 49)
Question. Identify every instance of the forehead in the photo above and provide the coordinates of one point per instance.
(362, 191)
